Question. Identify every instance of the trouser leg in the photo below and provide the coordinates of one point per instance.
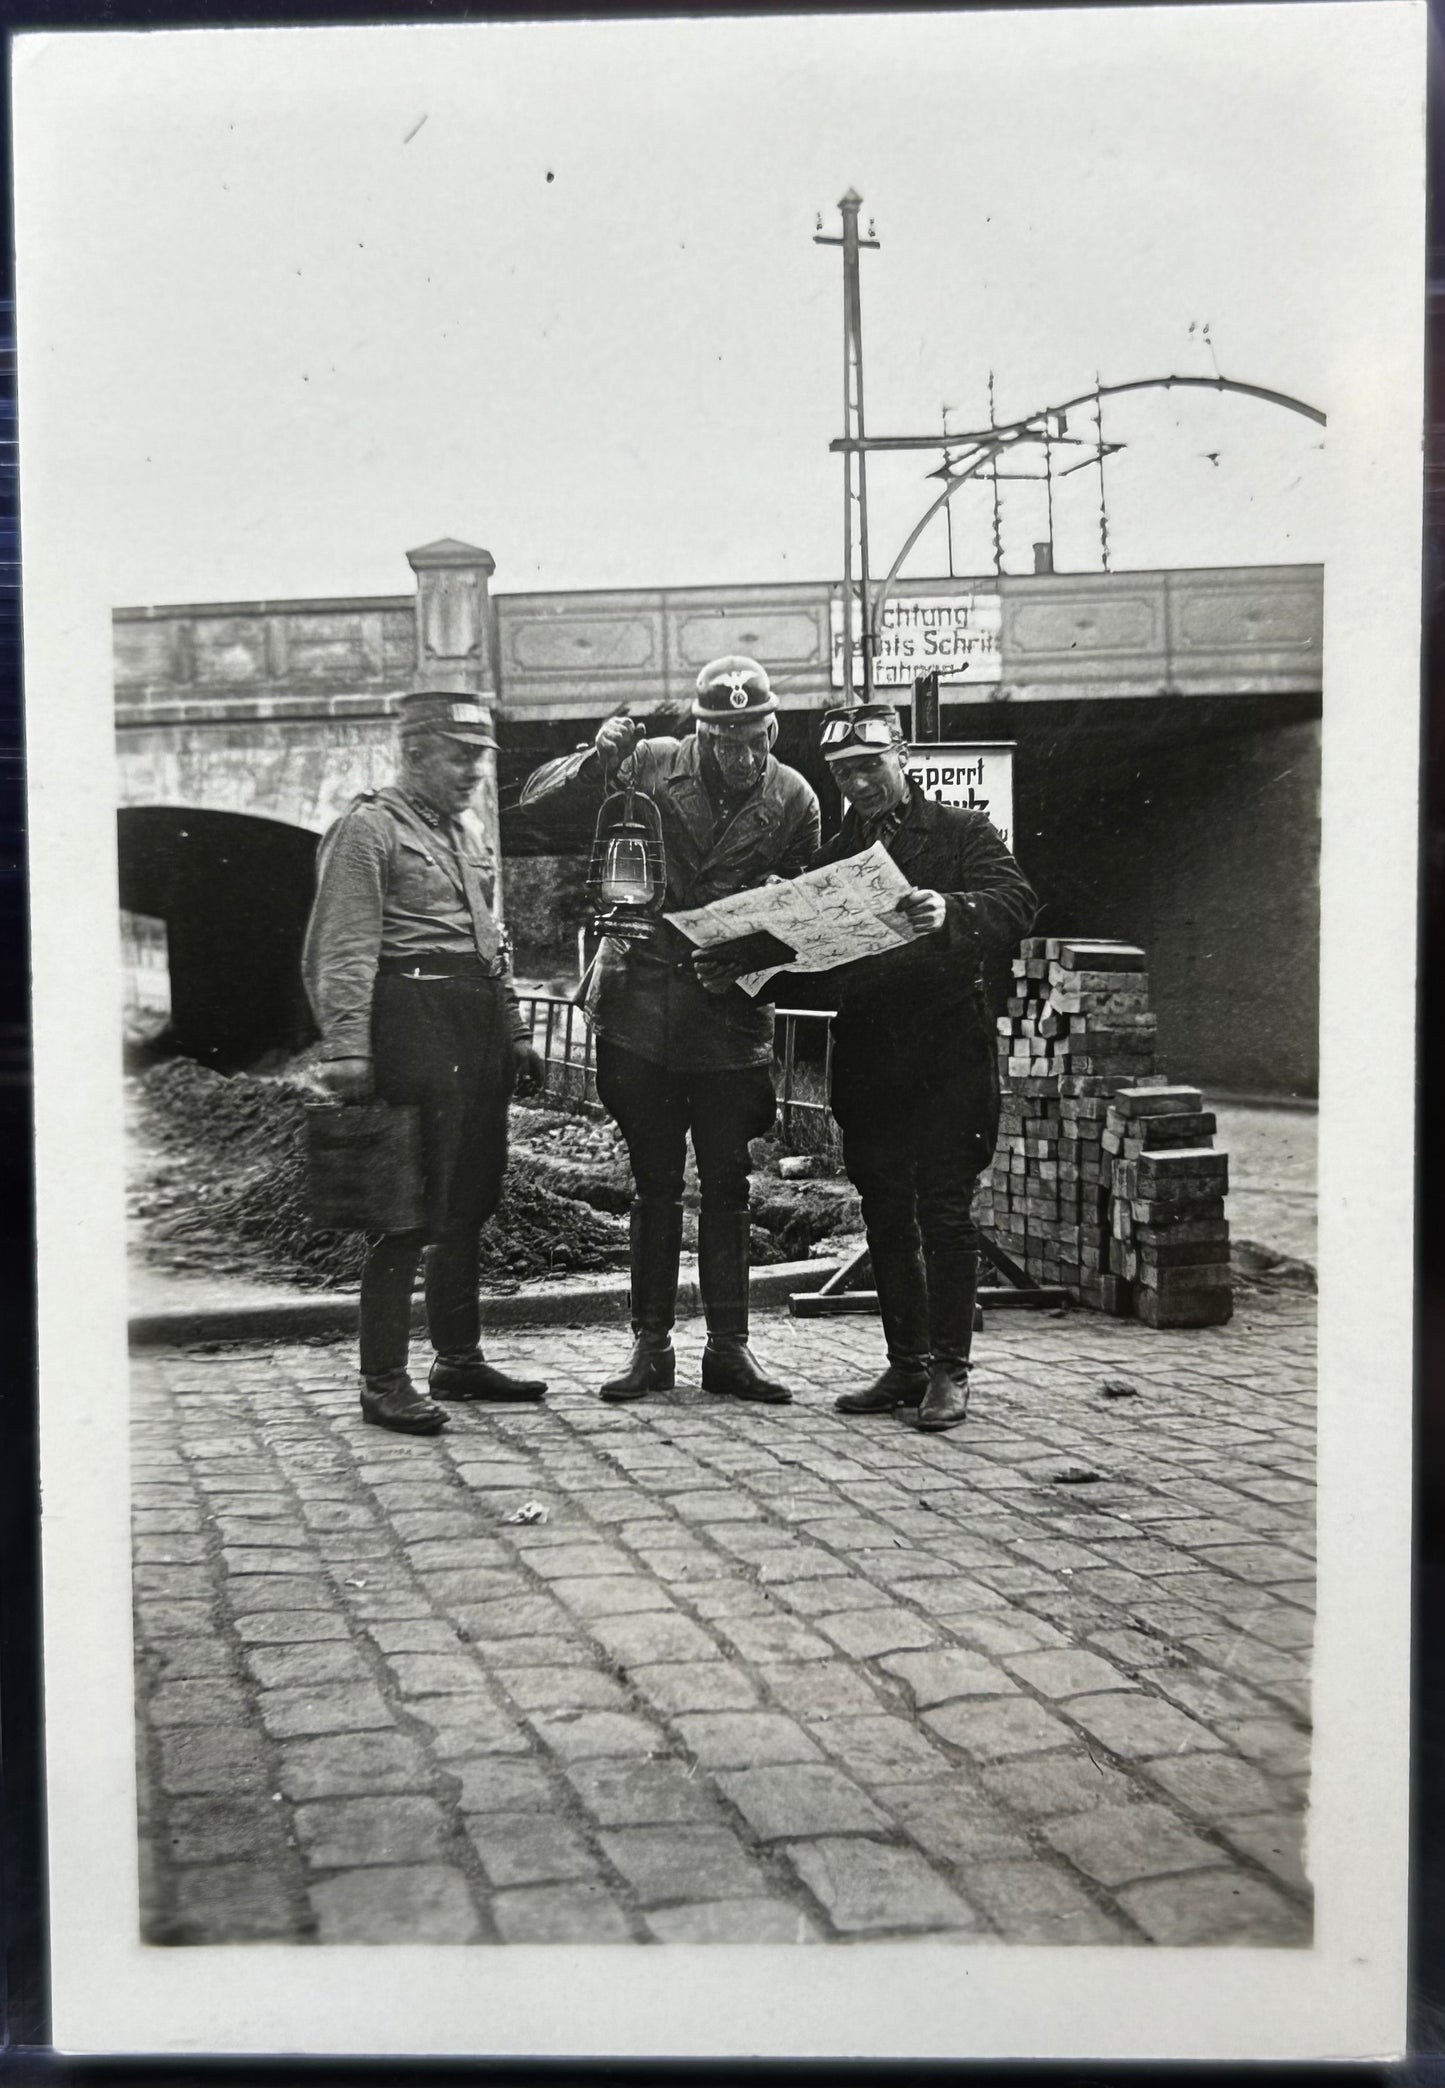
(442, 1047)
(882, 1168)
(454, 1321)
(388, 1396)
(649, 1105)
(388, 1276)
(947, 1179)
(727, 1110)
(453, 1310)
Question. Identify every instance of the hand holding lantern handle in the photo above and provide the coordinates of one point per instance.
(616, 739)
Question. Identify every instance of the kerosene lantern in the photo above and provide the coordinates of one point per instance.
(627, 879)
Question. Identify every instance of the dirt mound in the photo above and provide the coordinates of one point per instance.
(230, 1192)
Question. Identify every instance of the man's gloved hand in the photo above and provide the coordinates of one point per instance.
(924, 911)
(531, 1073)
(616, 738)
(348, 1079)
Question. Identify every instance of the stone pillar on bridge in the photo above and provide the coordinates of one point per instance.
(455, 650)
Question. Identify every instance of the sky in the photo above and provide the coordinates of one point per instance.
(552, 288)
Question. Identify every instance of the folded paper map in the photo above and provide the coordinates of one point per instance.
(825, 917)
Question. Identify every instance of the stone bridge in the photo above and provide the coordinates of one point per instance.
(1150, 711)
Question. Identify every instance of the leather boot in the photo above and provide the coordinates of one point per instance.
(472, 1377)
(656, 1247)
(903, 1307)
(723, 1262)
(394, 1402)
(952, 1274)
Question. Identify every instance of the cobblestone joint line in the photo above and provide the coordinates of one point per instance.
(691, 1536)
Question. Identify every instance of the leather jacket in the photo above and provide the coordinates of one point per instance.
(645, 996)
(913, 1019)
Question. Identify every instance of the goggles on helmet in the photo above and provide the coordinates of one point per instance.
(845, 732)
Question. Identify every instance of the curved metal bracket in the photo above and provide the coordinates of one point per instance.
(1034, 429)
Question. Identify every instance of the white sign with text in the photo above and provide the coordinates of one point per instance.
(979, 777)
(958, 634)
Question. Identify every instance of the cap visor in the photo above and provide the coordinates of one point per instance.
(714, 716)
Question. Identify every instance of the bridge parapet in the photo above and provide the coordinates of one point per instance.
(1219, 631)
(1254, 630)
(305, 657)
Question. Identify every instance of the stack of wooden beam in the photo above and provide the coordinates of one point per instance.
(1169, 1238)
(1077, 1026)
(1077, 1035)
(1018, 1200)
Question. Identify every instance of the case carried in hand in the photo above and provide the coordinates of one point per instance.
(363, 1167)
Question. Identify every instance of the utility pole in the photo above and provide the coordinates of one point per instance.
(855, 459)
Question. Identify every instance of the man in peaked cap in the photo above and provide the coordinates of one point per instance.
(673, 1059)
(410, 982)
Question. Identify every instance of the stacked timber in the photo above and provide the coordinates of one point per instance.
(1169, 1238)
(1093, 1187)
(1076, 1027)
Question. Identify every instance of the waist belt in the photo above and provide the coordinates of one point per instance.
(440, 964)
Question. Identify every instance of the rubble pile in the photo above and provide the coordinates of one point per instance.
(237, 1201)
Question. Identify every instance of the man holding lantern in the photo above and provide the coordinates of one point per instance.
(915, 1076)
(672, 1057)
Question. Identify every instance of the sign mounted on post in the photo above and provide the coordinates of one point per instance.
(957, 633)
(979, 776)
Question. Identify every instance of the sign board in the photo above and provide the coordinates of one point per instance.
(958, 634)
(978, 776)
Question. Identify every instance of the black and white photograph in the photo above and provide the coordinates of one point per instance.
(723, 727)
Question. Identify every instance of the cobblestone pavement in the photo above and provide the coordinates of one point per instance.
(762, 1675)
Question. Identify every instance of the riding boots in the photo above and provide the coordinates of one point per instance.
(952, 1274)
(656, 1248)
(903, 1307)
(723, 1263)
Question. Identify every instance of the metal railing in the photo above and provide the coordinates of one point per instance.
(562, 1037)
(807, 1122)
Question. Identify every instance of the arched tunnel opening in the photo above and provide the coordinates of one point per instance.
(234, 893)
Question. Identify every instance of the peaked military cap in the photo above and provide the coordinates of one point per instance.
(450, 716)
(732, 690)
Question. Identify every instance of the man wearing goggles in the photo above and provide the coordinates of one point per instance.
(673, 1059)
(915, 1073)
(860, 731)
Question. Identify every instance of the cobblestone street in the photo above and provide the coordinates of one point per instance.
(760, 1675)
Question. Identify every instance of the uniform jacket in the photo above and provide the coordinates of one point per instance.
(387, 884)
(912, 1019)
(645, 996)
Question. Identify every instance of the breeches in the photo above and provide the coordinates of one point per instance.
(656, 1107)
(445, 1046)
(915, 1169)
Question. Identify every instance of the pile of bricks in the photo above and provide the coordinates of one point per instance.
(1076, 1193)
(1169, 1238)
